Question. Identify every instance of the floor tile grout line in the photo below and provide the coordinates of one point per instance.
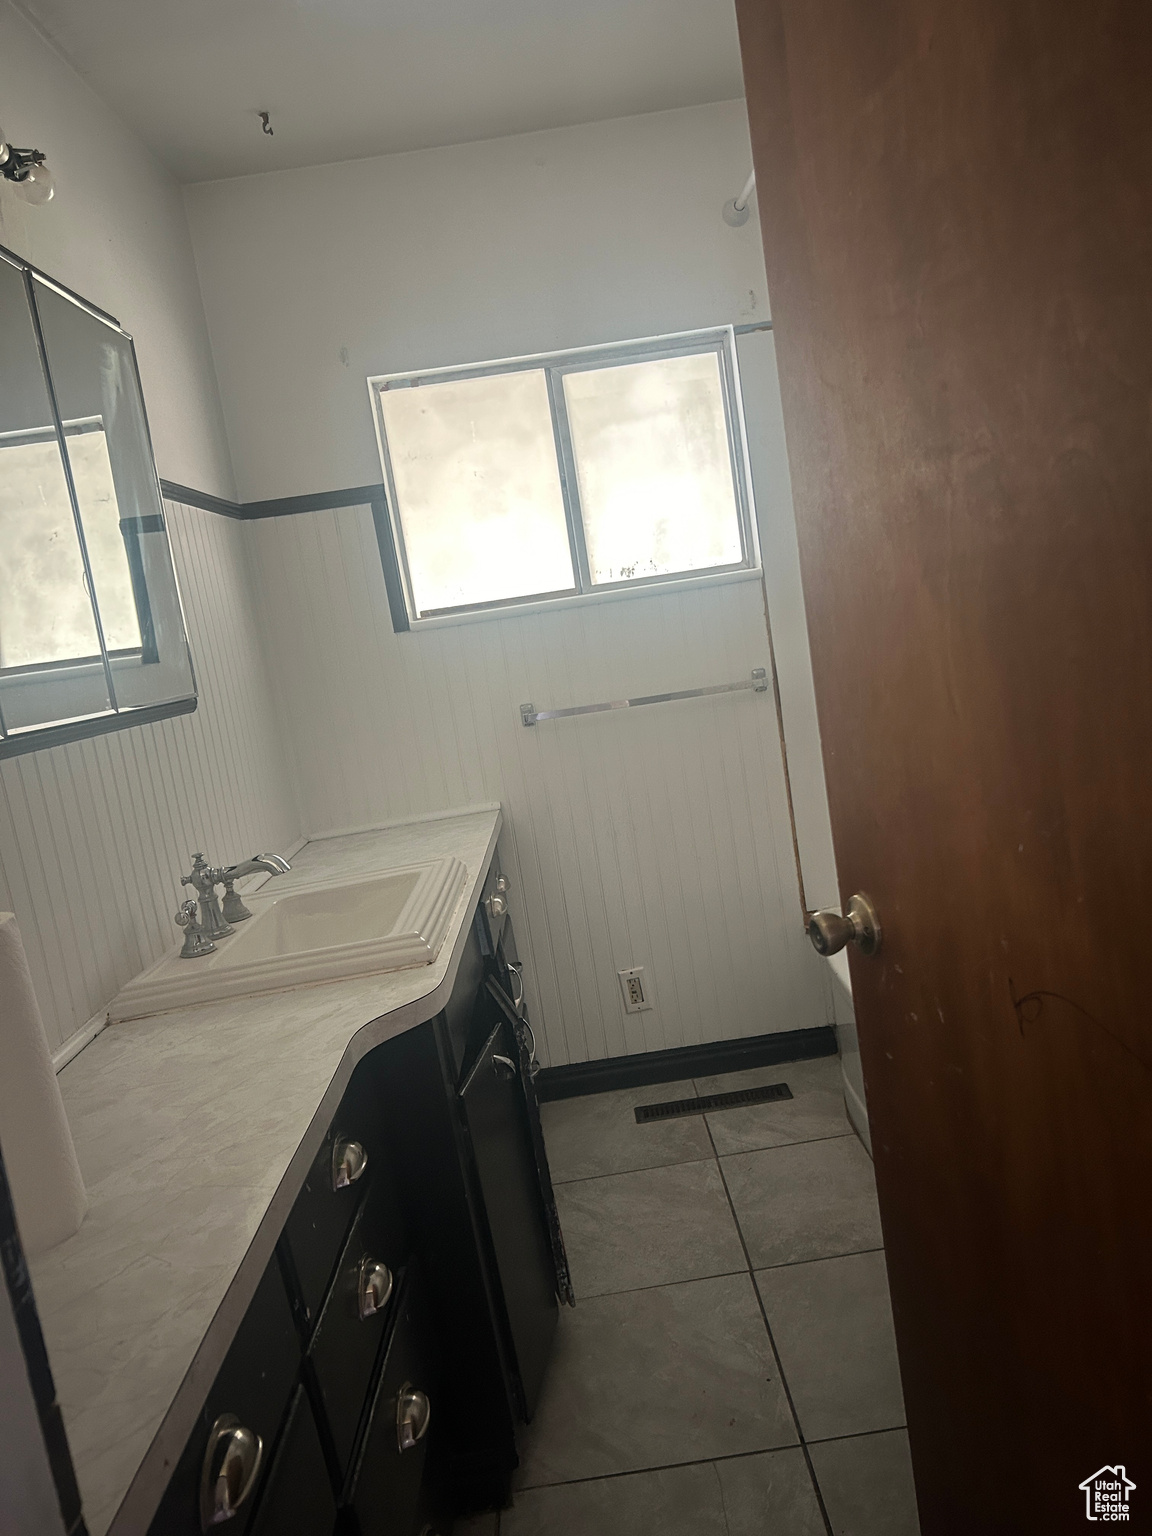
(772, 1343)
(587, 1178)
(723, 1274)
(861, 1434)
(820, 1258)
(667, 1466)
(660, 1285)
(780, 1146)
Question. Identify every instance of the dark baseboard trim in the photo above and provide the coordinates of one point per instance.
(650, 1067)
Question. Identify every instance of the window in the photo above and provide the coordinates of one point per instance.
(552, 477)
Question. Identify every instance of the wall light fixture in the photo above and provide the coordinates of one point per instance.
(26, 172)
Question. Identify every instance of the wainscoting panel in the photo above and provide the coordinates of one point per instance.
(94, 836)
(655, 837)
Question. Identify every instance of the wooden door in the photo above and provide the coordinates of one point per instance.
(955, 203)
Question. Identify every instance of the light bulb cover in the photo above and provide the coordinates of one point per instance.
(37, 184)
(26, 173)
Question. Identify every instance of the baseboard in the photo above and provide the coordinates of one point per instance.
(648, 1067)
(858, 1115)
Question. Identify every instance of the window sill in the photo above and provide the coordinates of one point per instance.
(587, 599)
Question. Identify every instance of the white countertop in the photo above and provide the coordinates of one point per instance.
(195, 1130)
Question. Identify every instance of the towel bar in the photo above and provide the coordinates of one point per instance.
(758, 682)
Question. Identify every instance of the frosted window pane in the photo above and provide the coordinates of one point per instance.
(651, 446)
(478, 489)
(45, 613)
(100, 511)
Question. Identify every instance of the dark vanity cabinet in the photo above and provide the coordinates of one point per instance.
(501, 1147)
(403, 1326)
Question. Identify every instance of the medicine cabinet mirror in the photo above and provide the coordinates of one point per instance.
(92, 635)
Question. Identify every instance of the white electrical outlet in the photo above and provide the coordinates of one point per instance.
(632, 988)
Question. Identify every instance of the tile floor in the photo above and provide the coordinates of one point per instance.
(729, 1368)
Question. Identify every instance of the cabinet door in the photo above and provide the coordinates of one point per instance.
(340, 1174)
(493, 1103)
(297, 1498)
(355, 1316)
(516, 1017)
(386, 1494)
(251, 1389)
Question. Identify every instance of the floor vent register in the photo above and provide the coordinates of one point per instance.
(674, 1108)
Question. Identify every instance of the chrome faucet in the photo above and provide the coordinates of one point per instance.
(271, 863)
(215, 921)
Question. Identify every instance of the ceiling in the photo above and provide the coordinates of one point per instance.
(348, 78)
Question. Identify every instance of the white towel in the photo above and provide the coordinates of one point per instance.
(39, 1157)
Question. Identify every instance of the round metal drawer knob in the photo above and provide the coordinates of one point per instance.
(413, 1411)
(231, 1466)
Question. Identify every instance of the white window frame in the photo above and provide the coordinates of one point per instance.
(720, 340)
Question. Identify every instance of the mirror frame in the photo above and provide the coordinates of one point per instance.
(117, 717)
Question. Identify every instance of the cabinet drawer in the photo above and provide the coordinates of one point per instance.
(347, 1338)
(253, 1386)
(297, 1499)
(318, 1224)
(386, 1491)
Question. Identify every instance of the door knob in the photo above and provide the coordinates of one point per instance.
(860, 925)
(413, 1411)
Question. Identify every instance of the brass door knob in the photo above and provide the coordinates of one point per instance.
(860, 925)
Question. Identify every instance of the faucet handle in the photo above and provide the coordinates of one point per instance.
(196, 942)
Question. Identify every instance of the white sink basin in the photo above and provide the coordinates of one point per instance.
(323, 931)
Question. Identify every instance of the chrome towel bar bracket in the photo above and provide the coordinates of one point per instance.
(758, 683)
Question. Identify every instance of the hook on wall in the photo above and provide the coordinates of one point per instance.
(264, 123)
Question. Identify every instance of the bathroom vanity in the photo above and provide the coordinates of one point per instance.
(376, 1302)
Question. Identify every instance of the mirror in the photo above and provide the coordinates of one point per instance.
(92, 635)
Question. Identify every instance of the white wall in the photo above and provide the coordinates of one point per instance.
(658, 838)
(115, 232)
(315, 279)
(94, 837)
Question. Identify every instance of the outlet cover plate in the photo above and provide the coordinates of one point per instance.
(633, 989)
